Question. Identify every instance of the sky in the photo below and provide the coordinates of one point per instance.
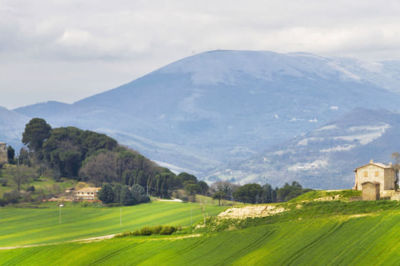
(66, 50)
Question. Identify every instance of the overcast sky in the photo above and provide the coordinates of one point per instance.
(66, 50)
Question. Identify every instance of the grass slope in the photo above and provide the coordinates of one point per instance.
(22, 226)
(310, 233)
(366, 240)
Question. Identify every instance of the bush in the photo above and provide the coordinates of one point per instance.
(146, 231)
(168, 230)
(151, 230)
(11, 197)
(3, 182)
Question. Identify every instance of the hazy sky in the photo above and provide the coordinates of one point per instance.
(68, 49)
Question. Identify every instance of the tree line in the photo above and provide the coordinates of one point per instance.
(126, 176)
(98, 159)
(256, 193)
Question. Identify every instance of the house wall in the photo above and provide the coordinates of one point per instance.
(372, 173)
(83, 195)
(3, 153)
(370, 191)
(390, 178)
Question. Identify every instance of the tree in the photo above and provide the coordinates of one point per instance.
(21, 174)
(219, 195)
(269, 194)
(10, 155)
(249, 193)
(24, 157)
(203, 187)
(396, 166)
(192, 189)
(106, 194)
(227, 187)
(139, 194)
(127, 197)
(100, 168)
(288, 192)
(36, 132)
(117, 188)
(185, 177)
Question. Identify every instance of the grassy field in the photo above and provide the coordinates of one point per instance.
(22, 226)
(308, 233)
(370, 239)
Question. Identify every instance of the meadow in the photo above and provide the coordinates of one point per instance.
(370, 239)
(38, 224)
(308, 233)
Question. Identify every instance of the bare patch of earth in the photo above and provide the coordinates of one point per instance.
(251, 212)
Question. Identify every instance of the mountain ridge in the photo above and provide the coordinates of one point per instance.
(219, 107)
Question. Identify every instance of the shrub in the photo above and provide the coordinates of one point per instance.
(151, 230)
(145, 231)
(11, 197)
(168, 230)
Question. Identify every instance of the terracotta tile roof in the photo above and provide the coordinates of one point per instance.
(381, 165)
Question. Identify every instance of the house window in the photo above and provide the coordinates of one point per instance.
(365, 174)
(376, 173)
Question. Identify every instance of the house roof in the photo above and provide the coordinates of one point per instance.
(381, 165)
(89, 189)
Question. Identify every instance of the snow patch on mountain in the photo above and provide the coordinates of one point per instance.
(339, 148)
(372, 133)
(309, 166)
(329, 127)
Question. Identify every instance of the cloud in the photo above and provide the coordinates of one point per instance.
(135, 37)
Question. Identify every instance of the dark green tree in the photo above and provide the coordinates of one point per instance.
(10, 155)
(203, 187)
(288, 192)
(117, 192)
(249, 193)
(268, 194)
(106, 194)
(127, 197)
(185, 177)
(139, 194)
(24, 157)
(36, 132)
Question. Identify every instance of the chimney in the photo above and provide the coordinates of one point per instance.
(371, 161)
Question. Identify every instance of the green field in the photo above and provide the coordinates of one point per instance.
(25, 226)
(313, 233)
(366, 240)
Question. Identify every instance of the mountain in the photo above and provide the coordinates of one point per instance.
(11, 127)
(385, 74)
(326, 156)
(204, 111)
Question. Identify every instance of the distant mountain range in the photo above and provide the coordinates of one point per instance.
(227, 109)
(325, 157)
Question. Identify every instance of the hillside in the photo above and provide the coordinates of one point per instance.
(41, 222)
(319, 233)
(326, 156)
(220, 107)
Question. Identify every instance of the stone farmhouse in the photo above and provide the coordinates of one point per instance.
(88, 193)
(3, 153)
(376, 180)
